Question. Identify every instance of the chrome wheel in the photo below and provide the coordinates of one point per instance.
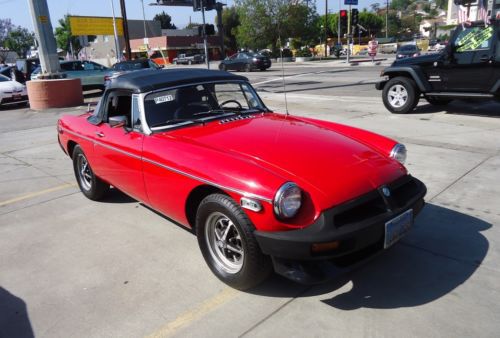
(397, 95)
(224, 242)
(84, 172)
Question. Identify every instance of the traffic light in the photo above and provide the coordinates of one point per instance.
(343, 20)
(209, 30)
(196, 5)
(354, 17)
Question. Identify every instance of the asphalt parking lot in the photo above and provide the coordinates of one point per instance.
(73, 267)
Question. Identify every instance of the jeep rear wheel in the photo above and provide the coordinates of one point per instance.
(226, 240)
(400, 95)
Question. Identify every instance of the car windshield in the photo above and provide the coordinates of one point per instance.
(134, 65)
(199, 103)
(4, 78)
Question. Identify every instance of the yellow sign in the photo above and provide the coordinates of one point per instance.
(94, 25)
(43, 19)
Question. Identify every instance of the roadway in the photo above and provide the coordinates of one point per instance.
(73, 267)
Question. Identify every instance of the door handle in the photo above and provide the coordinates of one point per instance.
(99, 134)
(485, 58)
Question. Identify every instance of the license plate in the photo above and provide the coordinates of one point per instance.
(17, 96)
(397, 227)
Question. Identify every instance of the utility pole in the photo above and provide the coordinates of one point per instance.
(338, 28)
(326, 28)
(117, 43)
(47, 48)
(144, 19)
(349, 33)
(125, 30)
(220, 28)
(387, 19)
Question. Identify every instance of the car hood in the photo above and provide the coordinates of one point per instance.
(11, 86)
(417, 60)
(328, 165)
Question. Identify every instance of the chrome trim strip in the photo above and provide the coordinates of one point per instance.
(241, 192)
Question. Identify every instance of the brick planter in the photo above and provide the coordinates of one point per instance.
(59, 93)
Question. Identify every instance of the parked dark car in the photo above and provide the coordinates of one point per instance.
(134, 65)
(123, 67)
(245, 61)
(407, 51)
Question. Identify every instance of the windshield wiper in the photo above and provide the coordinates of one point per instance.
(173, 122)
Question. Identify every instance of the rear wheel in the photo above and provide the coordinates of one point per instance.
(400, 95)
(90, 185)
(437, 101)
(226, 240)
(222, 67)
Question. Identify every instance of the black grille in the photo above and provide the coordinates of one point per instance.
(359, 212)
(403, 193)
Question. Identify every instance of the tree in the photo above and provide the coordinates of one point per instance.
(19, 40)
(231, 22)
(6, 27)
(400, 4)
(372, 22)
(264, 23)
(64, 39)
(165, 20)
(375, 7)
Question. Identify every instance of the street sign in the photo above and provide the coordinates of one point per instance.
(93, 25)
(351, 2)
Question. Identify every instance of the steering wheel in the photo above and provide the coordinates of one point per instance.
(231, 101)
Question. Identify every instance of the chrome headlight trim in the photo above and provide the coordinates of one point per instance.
(398, 153)
(280, 198)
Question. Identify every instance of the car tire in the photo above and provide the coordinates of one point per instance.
(226, 240)
(437, 101)
(222, 67)
(248, 68)
(263, 69)
(91, 186)
(400, 95)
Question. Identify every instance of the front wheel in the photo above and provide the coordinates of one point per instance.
(400, 95)
(226, 240)
(222, 67)
(91, 186)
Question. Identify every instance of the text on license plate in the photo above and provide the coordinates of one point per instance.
(397, 227)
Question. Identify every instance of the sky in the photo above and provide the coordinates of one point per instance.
(18, 10)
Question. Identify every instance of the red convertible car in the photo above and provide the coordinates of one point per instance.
(261, 190)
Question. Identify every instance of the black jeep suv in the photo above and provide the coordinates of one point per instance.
(469, 67)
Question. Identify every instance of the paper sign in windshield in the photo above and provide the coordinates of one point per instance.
(164, 98)
(475, 39)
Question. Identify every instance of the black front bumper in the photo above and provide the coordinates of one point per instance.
(358, 225)
(380, 85)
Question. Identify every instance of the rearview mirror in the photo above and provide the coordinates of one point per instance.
(117, 121)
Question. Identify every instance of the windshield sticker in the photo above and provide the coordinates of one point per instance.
(163, 99)
(475, 39)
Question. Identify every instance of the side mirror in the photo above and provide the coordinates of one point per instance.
(117, 121)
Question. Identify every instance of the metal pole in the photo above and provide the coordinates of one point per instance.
(349, 33)
(387, 19)
(338, 28)
(117, 43)
(220, 27)
(125, 30)
(144, 19)
(47, 48)
(326, 28)
(205, 37)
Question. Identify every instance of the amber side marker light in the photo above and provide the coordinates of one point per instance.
(323, 247)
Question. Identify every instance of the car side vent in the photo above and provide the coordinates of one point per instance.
(236, 118)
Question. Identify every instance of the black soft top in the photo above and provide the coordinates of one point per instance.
(147, 80)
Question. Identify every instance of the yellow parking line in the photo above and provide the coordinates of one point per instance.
(195, 313)
(36, 193)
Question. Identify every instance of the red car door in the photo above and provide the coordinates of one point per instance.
(118, 150)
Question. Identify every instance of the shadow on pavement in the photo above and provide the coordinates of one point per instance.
(14, 319)
(116, 196)
(442, 252)
(460, 107)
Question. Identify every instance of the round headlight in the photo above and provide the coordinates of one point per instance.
(399, 153)
(288, 200)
